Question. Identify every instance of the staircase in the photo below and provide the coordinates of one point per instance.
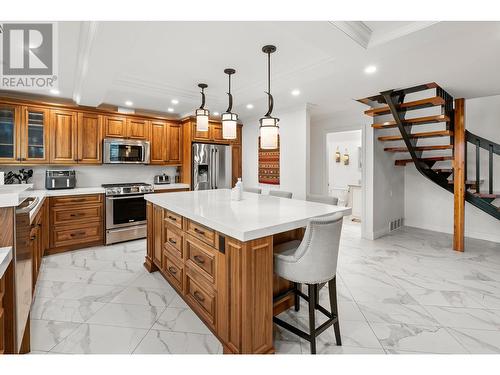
(425, 119)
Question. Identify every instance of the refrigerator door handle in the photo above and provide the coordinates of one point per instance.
(216, 177)
(212, 171)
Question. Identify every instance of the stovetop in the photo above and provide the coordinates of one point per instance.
(125, 184)
(128, 188)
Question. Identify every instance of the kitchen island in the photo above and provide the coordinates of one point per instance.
(218, 255)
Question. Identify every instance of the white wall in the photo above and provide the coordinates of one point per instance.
(89, 176)
(431, 207)
(294, 153)
(339, 174)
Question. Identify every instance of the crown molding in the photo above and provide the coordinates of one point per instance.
(356, 30)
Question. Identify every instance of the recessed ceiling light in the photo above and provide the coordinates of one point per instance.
(174, 101)
(170, 109)
(249, 106)
(55, 91)
(296, 92)
(216, 113)
(129, 103)
(370, 69)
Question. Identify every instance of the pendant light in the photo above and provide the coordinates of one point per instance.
(268, 124)
(229, 119)
(202, 113)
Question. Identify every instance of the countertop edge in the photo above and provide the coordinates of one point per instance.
(5, 259)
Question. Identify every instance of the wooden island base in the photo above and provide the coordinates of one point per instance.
(229, 284)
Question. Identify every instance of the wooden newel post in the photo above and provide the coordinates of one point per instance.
(459, 173)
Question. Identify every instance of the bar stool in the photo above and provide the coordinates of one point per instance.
(312, 261)
(253, 190)
(281, 193)
(326, 199)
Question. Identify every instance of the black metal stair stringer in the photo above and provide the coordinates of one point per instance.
(393, 100)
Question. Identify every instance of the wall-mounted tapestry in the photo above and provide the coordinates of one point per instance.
(269, 165)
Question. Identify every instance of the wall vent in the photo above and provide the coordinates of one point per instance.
(395, 224)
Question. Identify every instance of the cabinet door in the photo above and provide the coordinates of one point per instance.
(115, 126)
(216, 130)
(158, 153)
(174, 143)
(235, 163)
(200, 136)
(35, 135)
(89, 138)
(237, 141)
(63, 137)
(138, 128)
(10, 121)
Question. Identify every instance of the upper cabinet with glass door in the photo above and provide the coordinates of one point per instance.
(35, 135)
(9, 129)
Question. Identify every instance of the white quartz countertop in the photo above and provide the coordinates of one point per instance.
(75, 191)
(5, 259)
(171, 186)
(253, 217)
(11, 195)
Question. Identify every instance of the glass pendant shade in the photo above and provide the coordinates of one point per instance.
(229, 125)
(269, 133)
(202, 120)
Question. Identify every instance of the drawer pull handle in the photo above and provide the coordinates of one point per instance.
(198, 296)
(33, 238)
(199, 231)
(76, 215)
(172, 241)
(172, 270)
(77, 234)
(172, 218)
(199, 259)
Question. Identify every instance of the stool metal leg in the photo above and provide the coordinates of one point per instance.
(332, 289)
(312, 290)
(297, 297)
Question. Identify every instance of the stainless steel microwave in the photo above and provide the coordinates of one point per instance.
(125, 151)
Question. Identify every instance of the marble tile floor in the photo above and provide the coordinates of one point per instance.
(404, 293)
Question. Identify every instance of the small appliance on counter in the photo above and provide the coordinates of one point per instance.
(60, 179)
(161, 179)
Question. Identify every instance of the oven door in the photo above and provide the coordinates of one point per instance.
(125, 211)
(118, 151)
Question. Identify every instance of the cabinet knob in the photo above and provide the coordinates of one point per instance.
(198, 296)
(199, 259)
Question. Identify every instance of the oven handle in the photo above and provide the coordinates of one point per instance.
(125, 197)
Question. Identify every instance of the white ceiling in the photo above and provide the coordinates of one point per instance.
(151, 63)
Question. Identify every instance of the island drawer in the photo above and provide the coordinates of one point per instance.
(63, 215)
(201, 300)
(174, 272)
(201, 232)
(201, 258)
(173, 218)
(173, 240)
(76, 199)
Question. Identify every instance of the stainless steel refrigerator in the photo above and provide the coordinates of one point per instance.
(211, 166)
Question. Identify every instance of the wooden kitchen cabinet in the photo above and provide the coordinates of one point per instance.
(158, 145)
(197, 136)
(34, 135)
(158, 236)
(10, 133)
(63, 136)
(216, 133)
(115, 126)
(174, 146)
(138, 128)
(89, 145)
(76, 221)
(236, 163)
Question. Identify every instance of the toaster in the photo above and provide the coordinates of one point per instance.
(60, 179)
(161, 179)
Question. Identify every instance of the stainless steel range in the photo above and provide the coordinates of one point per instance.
(126, 211)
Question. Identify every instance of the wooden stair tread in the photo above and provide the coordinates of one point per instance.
(439, 133)
(487, 195)
(443, 170)
(468, 182)
(413, 121)
(433, 158)
(380, 99)
(419, 148)
(416, 104)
